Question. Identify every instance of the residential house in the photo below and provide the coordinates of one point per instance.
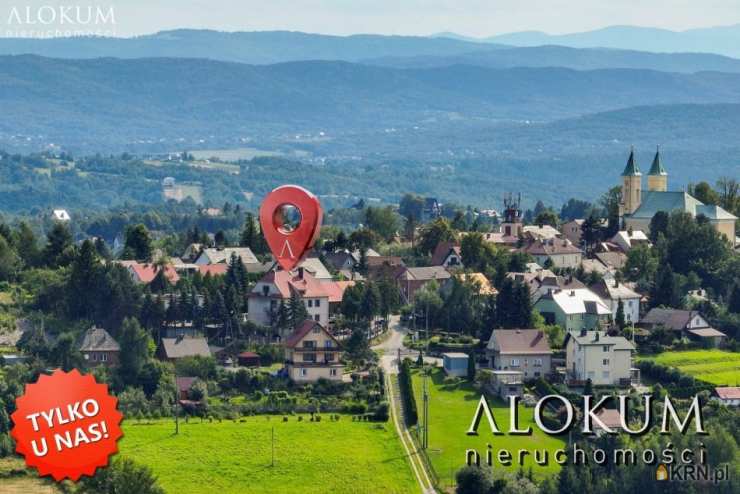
(215, 255)
(379, 267)
(729, 395)
(455, 364)
(61, 215)
(447, 254)
(560, 252)
(314, 266)
(144, 273)
(192, 252)
(610, 417)
(524, 350)
(98, 347)
(312, 353)
(613, 260)
(172, 349)
(544, 281)
(638, 206)
(479, 279)
(574, 309)
(410, 280)
(278, 286)
(540, 232)
(684, 323)
(573, 231)
(627, 239)
(594, 355)
(431, 210)
(612, 291)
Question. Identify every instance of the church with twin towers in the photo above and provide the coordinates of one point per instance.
(638, 206)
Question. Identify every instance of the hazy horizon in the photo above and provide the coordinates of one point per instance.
(472, 18)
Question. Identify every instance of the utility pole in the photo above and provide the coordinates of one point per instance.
(425, 430)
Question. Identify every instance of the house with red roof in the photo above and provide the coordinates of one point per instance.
(729, 395)
(312, 353)
(279, 286)
(447, 254)
(144, 273)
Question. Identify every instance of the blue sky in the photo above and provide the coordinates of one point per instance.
(470, 17)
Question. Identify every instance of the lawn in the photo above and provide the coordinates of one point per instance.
(451, 410)
(235, 457)
(713, 366)
(15, 478)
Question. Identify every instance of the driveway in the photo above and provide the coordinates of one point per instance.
(390, 348)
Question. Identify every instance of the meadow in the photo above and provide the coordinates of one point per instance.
(236, 457)
(713, 366)
(451, 410)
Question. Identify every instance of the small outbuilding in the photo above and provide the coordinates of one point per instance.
(248, 359)
(455, 364)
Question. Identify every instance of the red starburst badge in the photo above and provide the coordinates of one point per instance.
(66, 425)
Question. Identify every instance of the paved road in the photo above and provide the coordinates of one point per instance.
(394, 343)
(391, 346)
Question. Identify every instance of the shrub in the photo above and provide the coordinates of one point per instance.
(407, 393)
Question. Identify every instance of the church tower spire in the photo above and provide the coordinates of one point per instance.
(631, 186)
(657, 177)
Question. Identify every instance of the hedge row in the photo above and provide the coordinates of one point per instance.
(406, 387)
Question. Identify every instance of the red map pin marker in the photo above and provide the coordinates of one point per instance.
(290, 217)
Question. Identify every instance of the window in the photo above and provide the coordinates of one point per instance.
(310, 303)
(103, 357)
(309, 357)
(332, 372)
(329, 357)
(303, 372)
(316, 329)
(265, 290)
(328, 344)
(536, 374)
(317, 303)
(605, 348)
(95, 357)
(317, 317)
(515, 362)
(273, 304)
(538, 362)
(309, 344)
(605, 361)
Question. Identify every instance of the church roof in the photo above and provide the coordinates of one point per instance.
(654, 201)
(631, 169)
(657, 167)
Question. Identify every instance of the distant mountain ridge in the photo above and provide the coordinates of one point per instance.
(256, 47)
(572, 58)
(109, 103)
(270, 47)
(723, 40)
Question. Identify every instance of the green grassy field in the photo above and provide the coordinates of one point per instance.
(15, 478)
(451, 409)
(713, 366)
(310, 457)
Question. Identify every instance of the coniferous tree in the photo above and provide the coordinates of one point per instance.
(619, 319)
(134, 353)
(83, 280)
(665, 290)
(59, 248)
(296, 310)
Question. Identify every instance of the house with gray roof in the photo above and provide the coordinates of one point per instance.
(172, 349)
(524, 350)
(98, 347)
(594, 355)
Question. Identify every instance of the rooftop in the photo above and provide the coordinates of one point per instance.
(519, 341)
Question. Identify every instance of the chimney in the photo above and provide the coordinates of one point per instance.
(300, 273)
(616, 283)
(572, 293)
(596, 336)
(583, 332)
